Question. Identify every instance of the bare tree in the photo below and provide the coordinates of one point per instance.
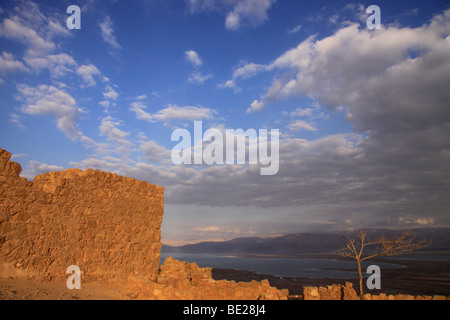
(382, 246)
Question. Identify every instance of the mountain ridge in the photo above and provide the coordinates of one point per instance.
(307, 242)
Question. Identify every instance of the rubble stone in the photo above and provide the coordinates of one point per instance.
(344, 292)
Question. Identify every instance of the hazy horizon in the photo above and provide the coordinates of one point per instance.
(183, 243)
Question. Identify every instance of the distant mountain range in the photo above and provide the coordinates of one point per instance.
(315, 242)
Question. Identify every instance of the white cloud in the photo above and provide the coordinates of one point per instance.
(28, 25)
(87, 72)
(15, 29)
(256, 106)
(155, 152)
(425, 221)
(202, 5)
(109, 128)
(8, 64)
(107, 33)
(105, 104)
(56, 28)
(138, 108)
(16, 119)
(48, 100)
(191, 113)
(302, 112)
(232, 21)
(18, 155)
(110, 93)
(295, 29)
(249, 12)
(239, 12)
(221, 232)
(193, 58)
(57, 64)
(247, 70)
(206, 229)
(362, 69)
(197, 77)
(297, 125)
(172, 112)
(231, 84)
(310, 115)
(35, 168)
(104, 164)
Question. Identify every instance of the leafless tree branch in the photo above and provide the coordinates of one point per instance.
(382, 246)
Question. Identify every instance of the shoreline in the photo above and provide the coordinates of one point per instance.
(418, 277)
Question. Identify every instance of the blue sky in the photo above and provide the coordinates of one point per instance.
(363, 115)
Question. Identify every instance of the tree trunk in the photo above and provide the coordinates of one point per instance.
(360, 279)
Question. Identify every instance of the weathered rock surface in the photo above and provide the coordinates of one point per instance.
(187, 281)
(331, 292)
(106, 224)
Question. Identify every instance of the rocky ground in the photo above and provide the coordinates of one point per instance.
(14, 289)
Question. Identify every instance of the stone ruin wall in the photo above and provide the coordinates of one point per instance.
(347, 292)
(180, 280)
(106, 224)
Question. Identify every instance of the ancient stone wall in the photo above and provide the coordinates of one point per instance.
(106, 224)
(181, 280)
(346, 292)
